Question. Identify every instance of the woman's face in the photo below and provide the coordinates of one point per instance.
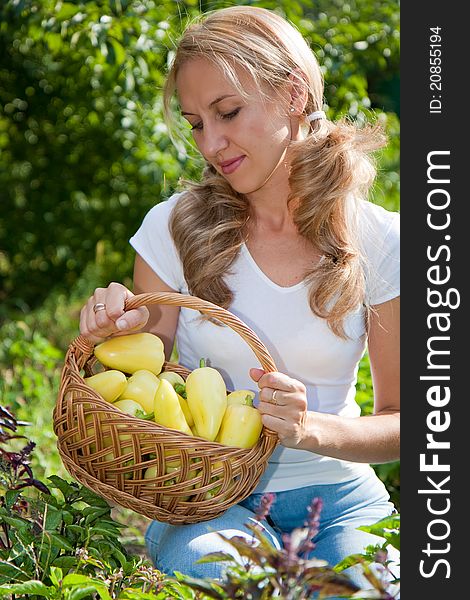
(244, 139)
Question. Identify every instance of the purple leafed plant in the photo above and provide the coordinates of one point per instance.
(15, 470)
(289, 573)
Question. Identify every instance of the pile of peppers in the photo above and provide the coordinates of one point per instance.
(199, 406)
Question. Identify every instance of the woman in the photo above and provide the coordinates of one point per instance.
(278, 231)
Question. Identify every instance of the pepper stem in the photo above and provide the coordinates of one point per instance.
(202, 363)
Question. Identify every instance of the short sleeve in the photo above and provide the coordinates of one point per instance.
(382, 255)
(154, 243)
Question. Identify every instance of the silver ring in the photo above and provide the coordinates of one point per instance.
(99, 306)
(273, 397)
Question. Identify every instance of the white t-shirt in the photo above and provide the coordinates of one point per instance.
(301, 344)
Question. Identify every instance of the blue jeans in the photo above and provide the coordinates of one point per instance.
(346, 506)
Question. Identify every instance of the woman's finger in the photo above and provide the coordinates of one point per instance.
(104, 314)
(272, 396)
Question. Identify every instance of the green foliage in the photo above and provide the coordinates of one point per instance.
(81, 135)
(30, 369)
(71, 530)
(388, 529)
(83, 149)
(66, 545)
(60, 541)
(29, 365)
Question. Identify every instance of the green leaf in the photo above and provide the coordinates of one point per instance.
(60, 541)
(209, 588)
(28, 587)
(110, 524)
(56, 574)
(11, 571)
(120, 557)
(387, 528)
(216, 557)
(15, 521)
(11, 496)
(104, 531)
(94, 512)
(67, 517)
(53, 518)
(390, 522)
(84, 584)
(130, 594)
(67, 489)
(75, 579)
(110, 54)
(119, 52)
(92, 499)
(77, 530)
(54, 41)
(349, 561)
(79, 592)
(67, 11)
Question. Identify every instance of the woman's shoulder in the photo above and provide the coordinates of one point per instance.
(380, 241)
(374, 217)
(379, 228)
(164, 208)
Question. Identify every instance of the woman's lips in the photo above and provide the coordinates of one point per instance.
(229, 166)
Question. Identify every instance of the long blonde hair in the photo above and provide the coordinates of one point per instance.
(330, 169)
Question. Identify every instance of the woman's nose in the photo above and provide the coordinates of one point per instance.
(215, 141)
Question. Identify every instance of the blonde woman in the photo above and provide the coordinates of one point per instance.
(280, 232)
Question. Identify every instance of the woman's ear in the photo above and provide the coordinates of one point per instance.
(298, 92)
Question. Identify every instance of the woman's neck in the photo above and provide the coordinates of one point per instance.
(269, 208)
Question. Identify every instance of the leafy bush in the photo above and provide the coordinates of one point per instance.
(84, 152)
(30, 367)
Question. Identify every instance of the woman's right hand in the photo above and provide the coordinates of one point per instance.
(112, 319)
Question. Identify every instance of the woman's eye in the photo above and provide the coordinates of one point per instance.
(231, 114)
(225, 116)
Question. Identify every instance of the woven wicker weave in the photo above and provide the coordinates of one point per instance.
(109, 451)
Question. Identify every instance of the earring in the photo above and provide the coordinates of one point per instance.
(292, 109)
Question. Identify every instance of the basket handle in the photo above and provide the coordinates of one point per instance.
(212, 310)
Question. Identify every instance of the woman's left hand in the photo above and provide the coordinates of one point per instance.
(286, 413)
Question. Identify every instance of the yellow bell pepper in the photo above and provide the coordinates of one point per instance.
(241, 426)
(241, 397)
(207, 400)
(141, 387)
(109, 384)
(178, 384)
(185, 408)
(130, 353)
(129, 406)
(172, 377)
(167, 408)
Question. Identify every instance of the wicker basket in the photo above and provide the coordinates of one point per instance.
(109, 451)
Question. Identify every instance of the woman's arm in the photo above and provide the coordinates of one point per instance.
(371, 439)
(163, 319)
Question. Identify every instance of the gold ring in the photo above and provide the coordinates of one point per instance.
(273, 397)
(99, 306)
